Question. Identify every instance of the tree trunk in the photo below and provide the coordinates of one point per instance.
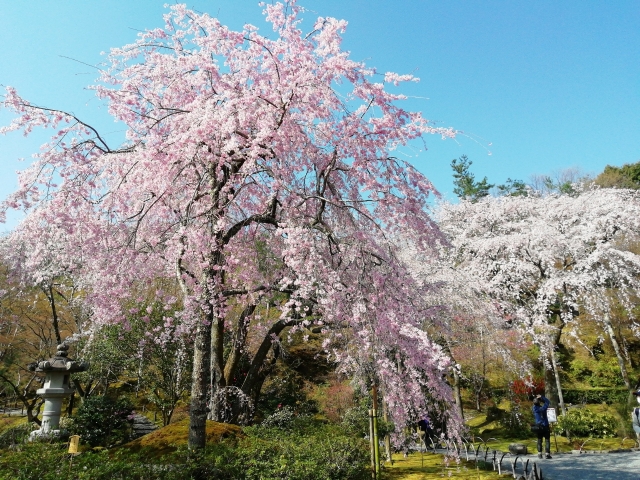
(550, 387)
(552, 383)
(457, 397)
(217, 353)
(258, 360)
(387, 437)
(556, 374)
(238, 346)
(33, 410)
(54, 313)
(200, 386)
(616, 347)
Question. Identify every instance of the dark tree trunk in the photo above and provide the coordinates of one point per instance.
(457, 397)
(550, 387)
(200, 386)
(239, 343)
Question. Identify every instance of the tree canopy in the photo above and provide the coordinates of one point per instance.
(258, 173)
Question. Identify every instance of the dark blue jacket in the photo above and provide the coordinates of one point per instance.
(540, 412)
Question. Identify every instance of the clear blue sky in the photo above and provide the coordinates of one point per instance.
(542, 85)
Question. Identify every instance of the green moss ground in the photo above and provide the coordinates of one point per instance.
(168, 439)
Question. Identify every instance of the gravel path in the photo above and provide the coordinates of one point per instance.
(591, 466)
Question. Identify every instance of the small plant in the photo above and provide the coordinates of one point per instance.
(281, 418)
(15, 435)
(103, 421)
(584, 423)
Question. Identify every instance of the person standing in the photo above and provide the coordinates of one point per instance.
(540, 406)
(635, 417)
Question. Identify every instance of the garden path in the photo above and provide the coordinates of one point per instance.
(592, 466)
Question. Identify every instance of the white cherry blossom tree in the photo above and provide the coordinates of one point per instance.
(548, 258)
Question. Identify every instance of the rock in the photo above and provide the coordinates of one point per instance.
(142, 426)
(517, 449)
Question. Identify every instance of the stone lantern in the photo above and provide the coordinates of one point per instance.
(57, 370)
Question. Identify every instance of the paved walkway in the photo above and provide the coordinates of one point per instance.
(591, 466)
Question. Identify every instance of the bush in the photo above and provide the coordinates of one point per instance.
(582, 422)
(309, 451)
(595, 395)
(282, 418)
(15, 435)
(516, 422)
(606, 372)
(103, 421)
(356, 422)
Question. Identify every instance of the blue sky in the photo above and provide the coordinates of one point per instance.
(540, 85)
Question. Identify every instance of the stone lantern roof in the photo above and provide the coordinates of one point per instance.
(59, 363)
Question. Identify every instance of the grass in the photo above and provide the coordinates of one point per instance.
(430, 466)
(7, 422)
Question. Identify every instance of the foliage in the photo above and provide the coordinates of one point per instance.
(309, 450)
(465, 183)
(282, 418)
(333, 397)
(605, 373)
(609, 396)
(627, 176)
(513, 188)
(525, 388)
(517, 419)
(15, 434)
(582, 422)
(315, 452)
(285, 388)
(103, 421)
(356, 422)
(108, 357)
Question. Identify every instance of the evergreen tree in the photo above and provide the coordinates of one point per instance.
(466, 186)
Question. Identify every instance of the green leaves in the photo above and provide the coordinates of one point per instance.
(103, 421)
(582, 422)
(466, 186)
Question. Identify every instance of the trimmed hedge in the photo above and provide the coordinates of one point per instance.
(611, 395)
(595, 395)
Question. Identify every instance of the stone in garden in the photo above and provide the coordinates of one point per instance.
(517, 449)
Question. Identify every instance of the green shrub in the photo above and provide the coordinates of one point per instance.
(356, 421)
(15, 435)
(103, 421)
(44, 461)
(307, 451)
(595, 395)
(580, 369)
(582, 422)
(516, 421)
(281, 418)
(606, 373)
